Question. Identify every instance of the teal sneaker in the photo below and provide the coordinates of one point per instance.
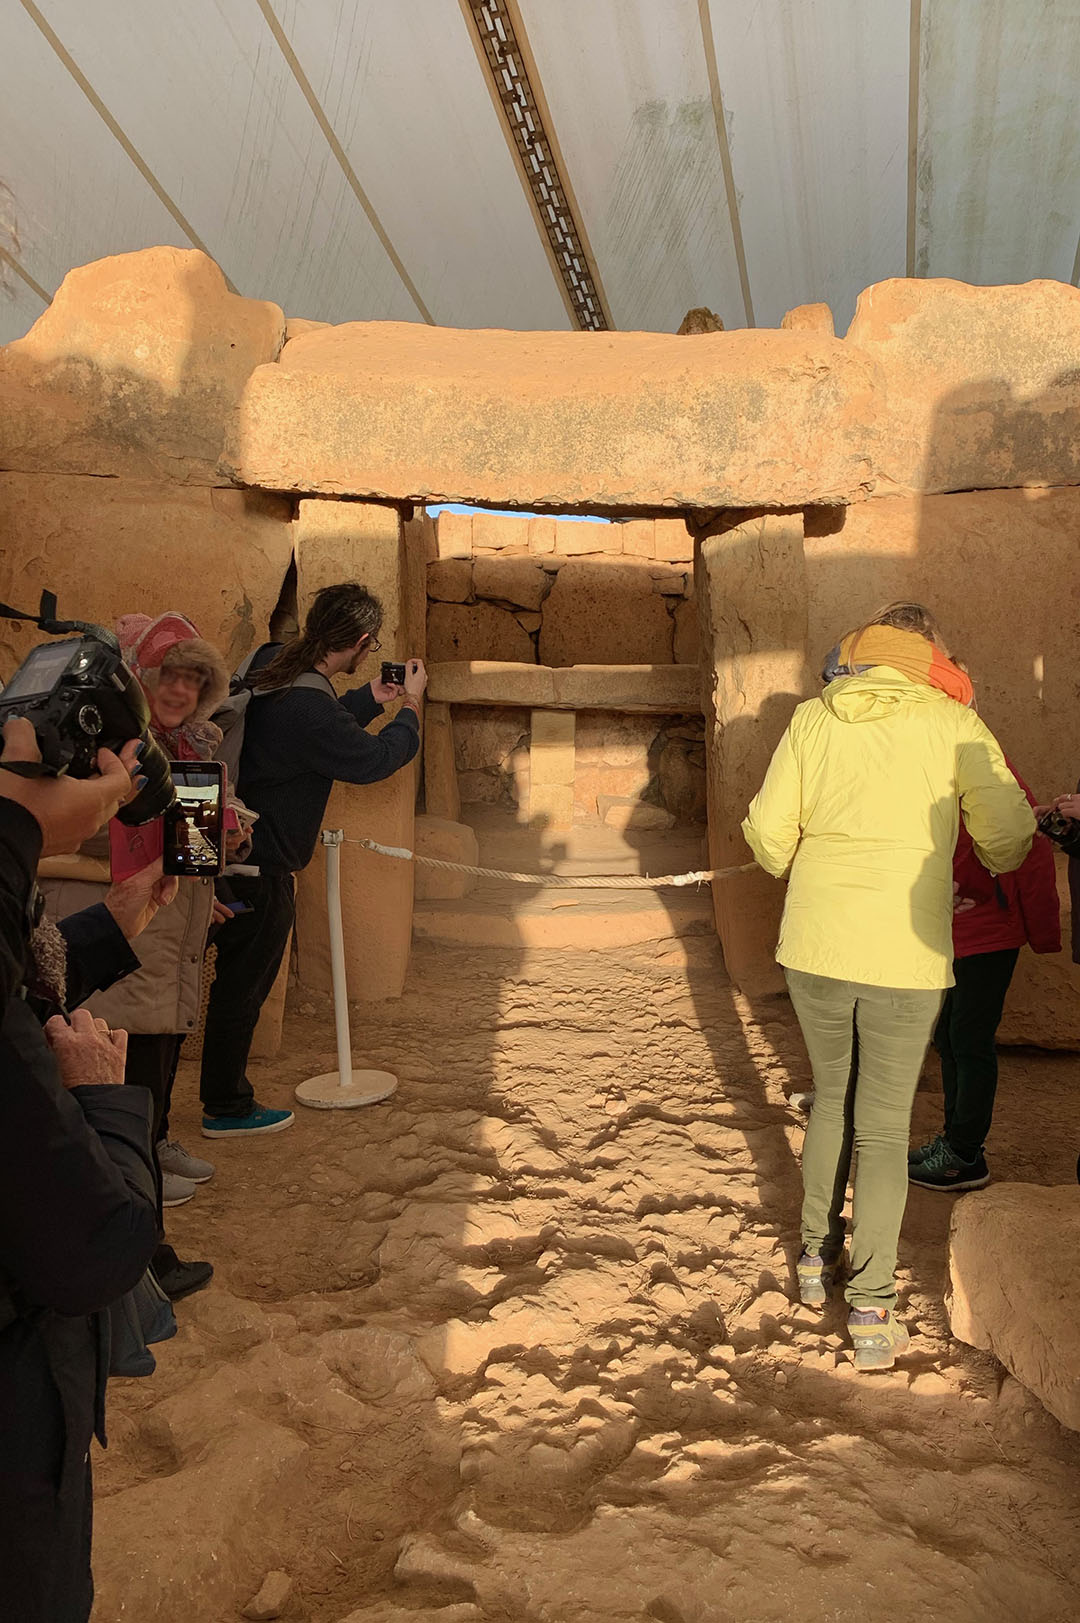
(258, 1120)
(943, 1169)
(924, 1150)
(877, 1341)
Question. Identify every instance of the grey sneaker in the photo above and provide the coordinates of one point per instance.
(877, 1341)
(943, 1169)
(172, 1157)
(175, 1191)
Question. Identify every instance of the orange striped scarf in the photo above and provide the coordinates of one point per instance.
(903, 651)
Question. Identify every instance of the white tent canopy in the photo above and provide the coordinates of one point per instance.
(349, 159)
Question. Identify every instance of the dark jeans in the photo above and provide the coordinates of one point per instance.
(965, 1040)
(249, 953)
(151, 1063)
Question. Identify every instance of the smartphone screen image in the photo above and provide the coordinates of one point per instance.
(194, 831)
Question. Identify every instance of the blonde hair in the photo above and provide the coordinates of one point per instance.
(905, 616)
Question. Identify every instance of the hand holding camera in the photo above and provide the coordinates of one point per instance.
(69, 810)
(397, 681)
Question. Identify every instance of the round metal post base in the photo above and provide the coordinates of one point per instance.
(327, 1093)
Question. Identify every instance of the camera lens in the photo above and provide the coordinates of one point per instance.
(157, 794)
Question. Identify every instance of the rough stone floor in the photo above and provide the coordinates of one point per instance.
(520, 1345)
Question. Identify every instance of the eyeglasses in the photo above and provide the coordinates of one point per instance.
(373, 645)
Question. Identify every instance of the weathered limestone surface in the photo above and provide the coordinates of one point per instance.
(450, 580)
(982, 384)
(519, 580)
(1012, 1286)
(551, 768)
(476, 631)
(753, 603)
(997, 567)
(603, 611)
(133, 369)
(809, 318)
(446, 841)
(110, 546)
(442, 797)
(663, 690)
(582, 420)
(336, 540)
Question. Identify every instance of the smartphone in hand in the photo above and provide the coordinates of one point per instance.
(194, 837)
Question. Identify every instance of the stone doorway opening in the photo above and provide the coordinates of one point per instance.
(565, 732)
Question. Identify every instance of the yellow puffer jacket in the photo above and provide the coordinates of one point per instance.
(861, 803)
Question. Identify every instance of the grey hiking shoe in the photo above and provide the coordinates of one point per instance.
(877, 1341)
(816, 1274)
(176, 1191)
(172, 1157)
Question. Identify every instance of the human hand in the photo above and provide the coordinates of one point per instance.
(1068, 806)
(220, 913)
(134, 901)
(68, 810)
(383, 692)
(87, 1053)
(415, 678)
(962, 904)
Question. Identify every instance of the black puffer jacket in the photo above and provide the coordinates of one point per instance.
(77, 1200)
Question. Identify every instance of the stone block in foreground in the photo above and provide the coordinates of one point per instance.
(133, 369)
(982, 383)
(564, 420)
(1012, 1286)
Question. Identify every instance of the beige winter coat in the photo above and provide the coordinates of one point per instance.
(163, 995)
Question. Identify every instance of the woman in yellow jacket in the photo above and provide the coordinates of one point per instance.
(860, 811)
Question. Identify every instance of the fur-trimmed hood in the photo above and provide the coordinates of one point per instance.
(172, 642)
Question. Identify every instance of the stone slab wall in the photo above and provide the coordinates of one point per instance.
(561, 592)
(112, 546)
(1001, 569)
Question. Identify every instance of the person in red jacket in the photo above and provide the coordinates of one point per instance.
(994, 918)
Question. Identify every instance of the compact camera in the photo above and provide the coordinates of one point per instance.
(393, 673)
(80, 697)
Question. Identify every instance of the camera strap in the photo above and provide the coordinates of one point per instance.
(45, 616)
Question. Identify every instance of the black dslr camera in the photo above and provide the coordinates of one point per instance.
(80, 697)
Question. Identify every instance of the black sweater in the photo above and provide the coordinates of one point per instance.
(297, 745)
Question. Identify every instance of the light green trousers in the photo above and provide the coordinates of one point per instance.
(866, 1046)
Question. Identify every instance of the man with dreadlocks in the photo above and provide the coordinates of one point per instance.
(299, 740)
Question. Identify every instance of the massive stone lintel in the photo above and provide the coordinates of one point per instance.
(982, 383)
(596, 421)
(653, 690)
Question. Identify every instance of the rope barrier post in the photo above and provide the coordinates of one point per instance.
(345, 1088)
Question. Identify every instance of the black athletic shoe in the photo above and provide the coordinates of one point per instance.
(178, 1279)
(943, 1169)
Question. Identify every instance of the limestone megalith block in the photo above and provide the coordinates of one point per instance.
(1012, 1286)
(133, 369)
(603, 611)
(804, 318)
(561, 420)
(982, 383)
(111, 546)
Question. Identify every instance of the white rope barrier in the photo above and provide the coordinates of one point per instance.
(595, 881)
